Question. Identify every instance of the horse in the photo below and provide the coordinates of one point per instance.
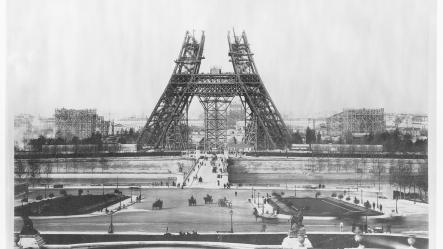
(158, 204)
(224, 202)
(208, 199)
(192, 201)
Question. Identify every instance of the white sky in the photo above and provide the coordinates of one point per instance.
(314, 56)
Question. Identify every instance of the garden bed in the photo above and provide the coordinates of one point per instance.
(69, 205)
(322, 207)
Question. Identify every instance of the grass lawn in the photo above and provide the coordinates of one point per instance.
(324, 207)
(69, 205)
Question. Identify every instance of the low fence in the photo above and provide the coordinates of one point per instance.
(318, 239)
(283, 153)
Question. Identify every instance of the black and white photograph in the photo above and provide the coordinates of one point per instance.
(285, 124)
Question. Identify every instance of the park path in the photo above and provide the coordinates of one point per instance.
(212, 171)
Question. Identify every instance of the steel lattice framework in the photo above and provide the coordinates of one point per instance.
(167, 128)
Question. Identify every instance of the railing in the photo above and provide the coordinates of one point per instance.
(190, 171)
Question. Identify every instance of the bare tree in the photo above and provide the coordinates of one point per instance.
(20, 170)
(422, 179)
(34, 173)
(103, 164)
(47, 170)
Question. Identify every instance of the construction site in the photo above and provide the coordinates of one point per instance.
(356, 121)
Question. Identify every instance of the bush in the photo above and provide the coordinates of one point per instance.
(334, 195)
(348, 198)
(39, 197)
(51, 195)
(63, 192)
(367, 204)
(340, 196)
(356, 201)
(80, 192)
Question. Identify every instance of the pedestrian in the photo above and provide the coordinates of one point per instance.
(388, 228)
(263, 227)
(341, 227)
(373, 205)
(235, 193)
(381, 208)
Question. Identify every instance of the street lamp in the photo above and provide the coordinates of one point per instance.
(366, 227)
(111, 226)
(232, 228)
(131, 194)
(361, 195)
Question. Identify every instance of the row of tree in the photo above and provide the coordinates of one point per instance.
(395, 141)
(311, 137)
(128, 136)
(392, 141)
(33, 173)
(37, 143)
(405, 178)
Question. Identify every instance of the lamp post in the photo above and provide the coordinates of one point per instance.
(379, 175)
(111, 226)
(232, 228)
(366, 227)
(263, 207)
(131, 194)
(361, 195)
(295, 190)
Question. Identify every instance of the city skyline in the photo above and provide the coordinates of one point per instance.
(332, 56)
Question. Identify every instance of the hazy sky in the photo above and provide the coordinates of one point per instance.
(314, 56)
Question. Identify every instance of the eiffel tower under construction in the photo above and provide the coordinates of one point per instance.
(167, 129)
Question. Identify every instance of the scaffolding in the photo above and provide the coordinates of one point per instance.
(216, 121)
(363, 120)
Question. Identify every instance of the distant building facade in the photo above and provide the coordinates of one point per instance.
(356, 121)
(415, 125)
(71, 123)
(125, 124)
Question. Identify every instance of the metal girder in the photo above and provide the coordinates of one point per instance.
(271, 132)
(166, 128)
(216, 136)
(174, 99)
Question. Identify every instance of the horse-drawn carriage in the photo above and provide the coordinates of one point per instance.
(208, 199)
(224, 202)
(192, 201)
(158, 204)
